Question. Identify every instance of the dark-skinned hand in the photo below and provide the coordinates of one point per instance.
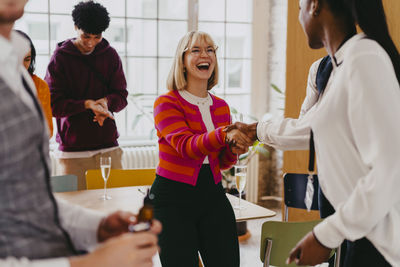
(117, 223)
(250, 130)
(238, 150)
(309, 251)
(237, 138)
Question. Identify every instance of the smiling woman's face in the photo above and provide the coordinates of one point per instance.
(199, 61)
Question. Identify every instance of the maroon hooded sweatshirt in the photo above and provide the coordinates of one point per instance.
(71, 82)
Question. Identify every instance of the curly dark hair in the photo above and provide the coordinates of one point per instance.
(91, 17)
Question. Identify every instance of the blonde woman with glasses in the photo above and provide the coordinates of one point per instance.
(189, 199)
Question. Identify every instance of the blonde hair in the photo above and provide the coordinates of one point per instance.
(177, 78)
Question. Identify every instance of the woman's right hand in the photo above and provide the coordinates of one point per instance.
(130, 249)
(250, 130)
(238, 140)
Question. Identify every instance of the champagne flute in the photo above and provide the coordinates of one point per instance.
(105, 166)
(240, 178)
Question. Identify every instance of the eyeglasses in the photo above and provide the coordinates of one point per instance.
(196, 51)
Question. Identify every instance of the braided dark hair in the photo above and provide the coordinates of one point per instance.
(371, 18)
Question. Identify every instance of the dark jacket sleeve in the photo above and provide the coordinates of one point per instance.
(61, 105)
(117, 97)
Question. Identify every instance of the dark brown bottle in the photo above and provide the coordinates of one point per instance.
(145, 216)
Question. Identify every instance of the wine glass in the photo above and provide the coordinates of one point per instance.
(105, 166)
(240, 178)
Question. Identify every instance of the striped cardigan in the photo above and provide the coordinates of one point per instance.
(184, 141)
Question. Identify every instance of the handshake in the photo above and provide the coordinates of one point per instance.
(240, 136)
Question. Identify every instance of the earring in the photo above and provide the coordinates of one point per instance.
(314, 14)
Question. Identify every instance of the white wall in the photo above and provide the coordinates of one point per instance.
(277, 53)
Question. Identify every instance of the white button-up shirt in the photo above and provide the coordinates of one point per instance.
(357, 140)
(80, 223)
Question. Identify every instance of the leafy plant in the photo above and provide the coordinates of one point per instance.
(279, 91)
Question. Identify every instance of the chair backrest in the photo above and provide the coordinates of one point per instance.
(120, 178)
(279, 238)
(64, 183)
(295, 186)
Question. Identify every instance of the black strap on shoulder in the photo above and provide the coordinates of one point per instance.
(323, 73)
(311, 159)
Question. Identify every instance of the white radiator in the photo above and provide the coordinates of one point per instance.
(140, 157)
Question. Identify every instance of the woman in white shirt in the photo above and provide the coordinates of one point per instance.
(356, 134)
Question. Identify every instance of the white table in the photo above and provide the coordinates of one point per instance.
(131, 199)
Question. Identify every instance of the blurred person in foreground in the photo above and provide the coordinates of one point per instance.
(35, 228)
(353, 122)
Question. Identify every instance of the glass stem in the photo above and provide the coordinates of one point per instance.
(240, 197)
(105, 188)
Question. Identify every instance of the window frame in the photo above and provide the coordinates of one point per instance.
(192, 21)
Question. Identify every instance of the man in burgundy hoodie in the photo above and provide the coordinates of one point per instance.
(87, 85)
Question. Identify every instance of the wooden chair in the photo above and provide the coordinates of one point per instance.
(64, 183)
(278, 239)
(120, 178)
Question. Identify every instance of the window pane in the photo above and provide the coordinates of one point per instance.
(140, 117)
(170, 32)
(115, 35)
(239, 10)
(212, 10)
(238, 40)
(219, 88)
(120, 119)
(142, 8)
(114, 7)
(64, 6)
(236, 101)
(125, 69)
(41, 65)
(61, 28)
(216, 30)
(164, 66)
(142, 75)
(36, 6)
(142, 37)
(238, 76)
(173, 9)
(36, 26)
